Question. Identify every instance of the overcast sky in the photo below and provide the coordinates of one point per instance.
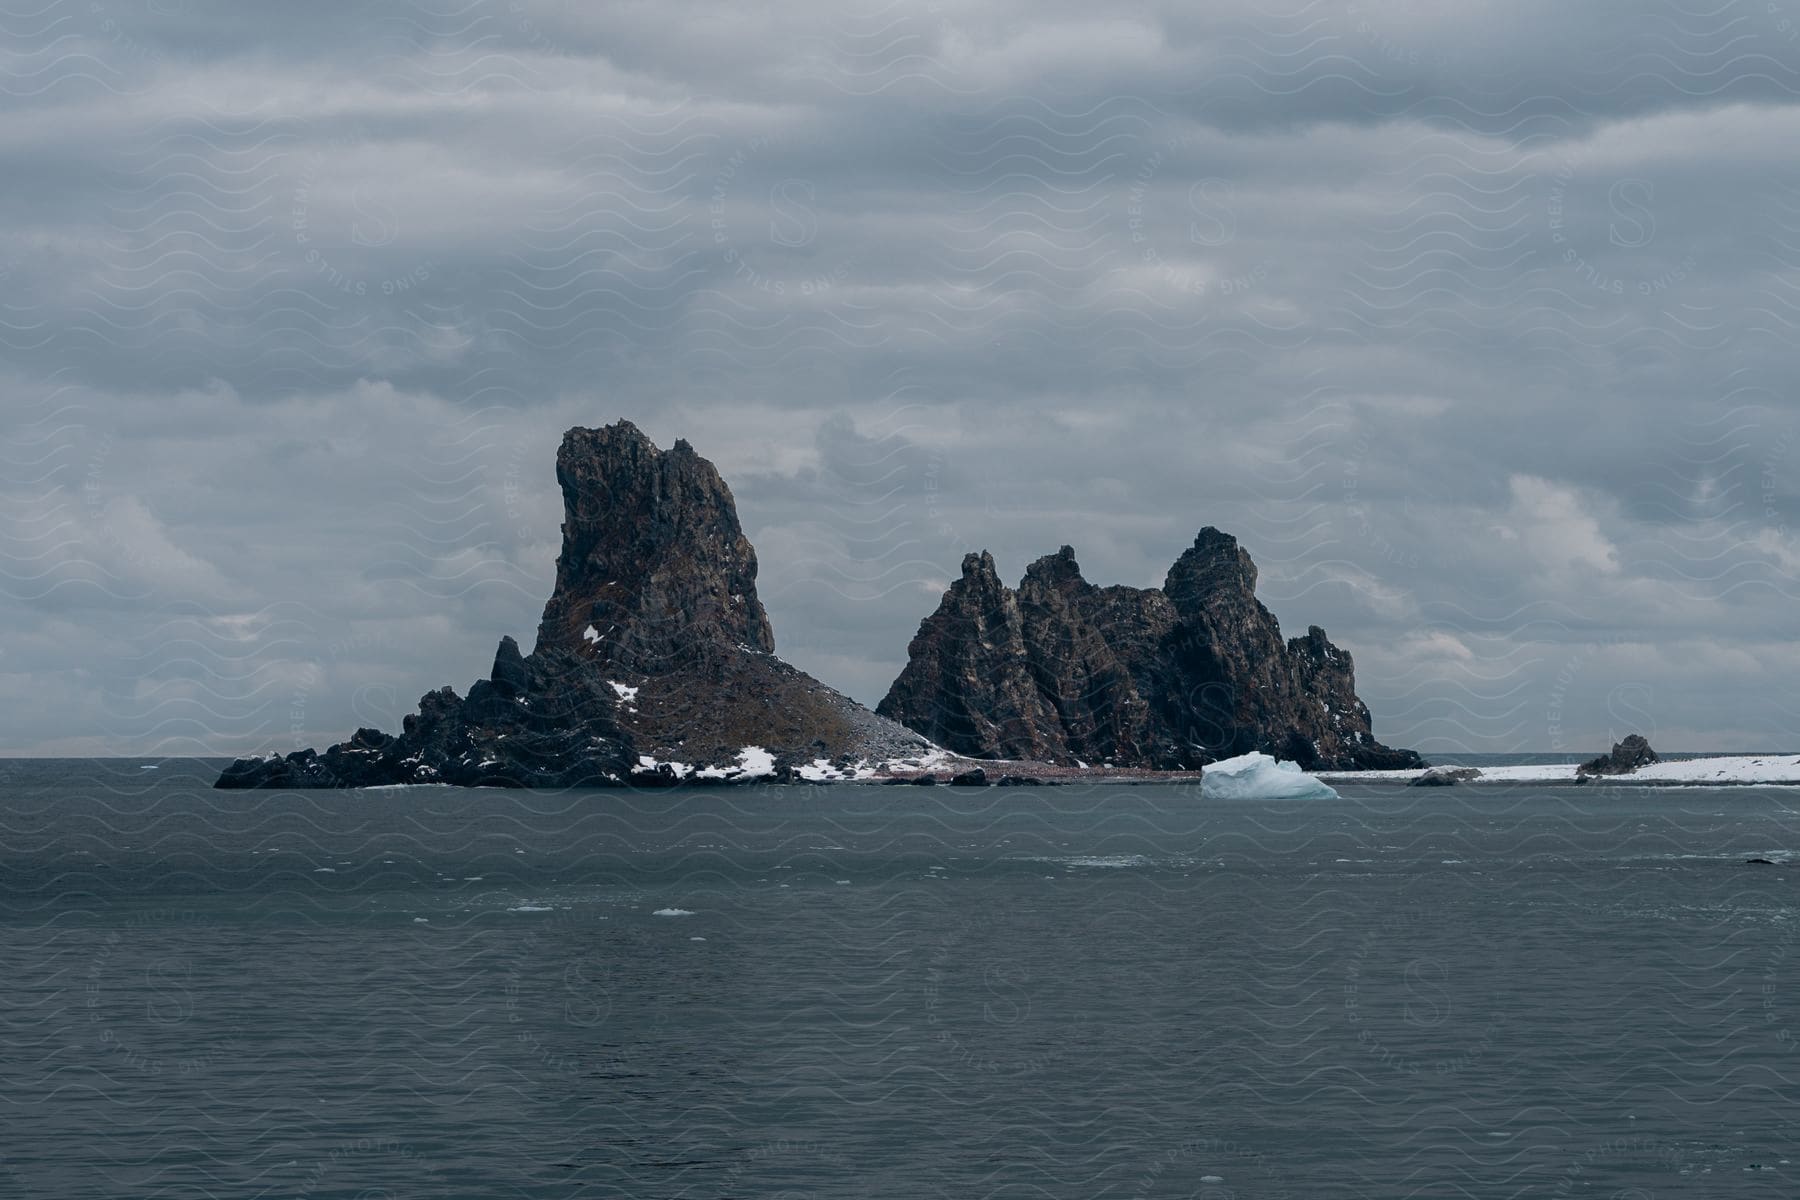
(1475, 322)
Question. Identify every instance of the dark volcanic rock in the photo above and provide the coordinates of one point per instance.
(654, 568)
(1066, 672)
(1627, 756)
(510, 676)
(654, 663)
(990, 701)
(974, 777)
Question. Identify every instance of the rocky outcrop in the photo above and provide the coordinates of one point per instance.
(1063, 671)
(654, 661)
(536, 722)
(1626, 756)
(655, 569)
(1444, 777)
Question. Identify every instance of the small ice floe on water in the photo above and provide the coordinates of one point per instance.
(841, 882)
(530, 908)
(1256, 776)
(673, 912)
(421, 920)
(147, 767)
(1098, 862)
(324, 870)
(1212, 1179)
(696, 938)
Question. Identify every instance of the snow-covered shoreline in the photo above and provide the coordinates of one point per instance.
(1764, 769)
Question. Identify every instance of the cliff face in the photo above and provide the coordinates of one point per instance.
(1172, 678)
(654, 660)
(654, 564)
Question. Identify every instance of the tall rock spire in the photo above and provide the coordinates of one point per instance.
(653, 562)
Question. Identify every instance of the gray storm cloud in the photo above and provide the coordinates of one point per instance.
(1475, 323)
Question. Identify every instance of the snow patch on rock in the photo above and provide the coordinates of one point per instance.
(753, 762)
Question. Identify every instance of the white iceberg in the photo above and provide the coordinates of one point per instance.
(1256, 776)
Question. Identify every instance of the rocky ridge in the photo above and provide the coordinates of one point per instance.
(1060, 670)
(654, 661)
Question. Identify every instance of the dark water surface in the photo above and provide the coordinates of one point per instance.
(1074, 992)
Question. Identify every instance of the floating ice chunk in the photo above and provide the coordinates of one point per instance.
(1106, 862)
(529, 908)
(673, 912)
(1256, 776)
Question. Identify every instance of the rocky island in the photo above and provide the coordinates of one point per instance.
(654, 665)
(1063, 671)
(654, 661)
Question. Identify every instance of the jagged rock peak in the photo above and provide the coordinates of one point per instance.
(979, 564)
(1058, 567)
(509, 675)
(654, 561)
(1215, 567)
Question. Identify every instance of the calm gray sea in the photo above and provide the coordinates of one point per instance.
(868, 991)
